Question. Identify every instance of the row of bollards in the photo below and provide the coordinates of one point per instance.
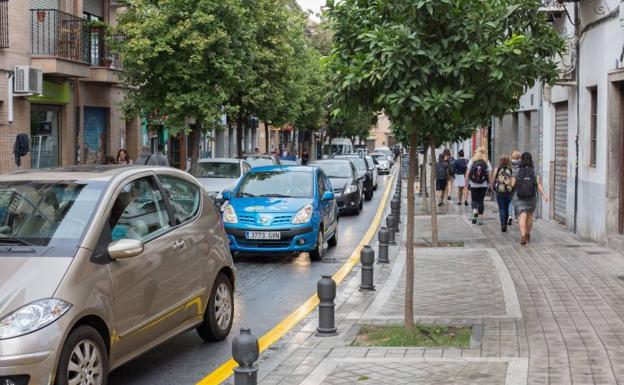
(245, 348)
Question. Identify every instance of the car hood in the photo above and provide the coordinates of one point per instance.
(268, 205)
(218, 184)
(27, 279)
(339, 183)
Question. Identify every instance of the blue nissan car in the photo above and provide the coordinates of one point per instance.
(281, 210)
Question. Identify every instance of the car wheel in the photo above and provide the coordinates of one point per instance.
(369, 194)
(333, 241)
(360, 205)
(219, 314)
(83, 360)
(317, 253)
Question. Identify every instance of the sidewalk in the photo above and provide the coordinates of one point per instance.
(551, 312)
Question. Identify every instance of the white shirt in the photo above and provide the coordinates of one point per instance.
(477, 185)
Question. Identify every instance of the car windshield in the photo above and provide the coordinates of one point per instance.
(372, 159)
(335, 169)
(379, 157)
(360, 164)
(258, 162)
(46, 213)
(284, 184)
(218, 170)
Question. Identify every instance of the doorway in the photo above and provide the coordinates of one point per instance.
(561, 162)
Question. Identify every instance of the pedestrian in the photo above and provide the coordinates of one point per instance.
(451, 176)
(527, 185)
(502, 185)
(109, 160)
(442, 174)
(122, 158)
(478, 181)
(458, 167)
(305, 158)
(515, 166)
(144, 156)
(257, 150)
(159, 159)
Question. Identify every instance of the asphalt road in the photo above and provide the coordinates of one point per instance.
(268, 289)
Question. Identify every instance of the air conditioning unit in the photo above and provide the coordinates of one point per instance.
(28, 80)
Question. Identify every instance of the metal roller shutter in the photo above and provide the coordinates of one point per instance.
(561, 162)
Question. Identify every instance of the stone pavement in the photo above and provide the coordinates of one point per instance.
(551, 312)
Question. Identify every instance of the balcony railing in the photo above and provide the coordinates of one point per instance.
(4, 23)
(65, 36)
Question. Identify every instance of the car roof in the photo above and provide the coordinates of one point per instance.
(344, 161)
(307, 169)
(84, 173)
(220, 160)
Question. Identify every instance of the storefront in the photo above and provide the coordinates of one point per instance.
(46, 123)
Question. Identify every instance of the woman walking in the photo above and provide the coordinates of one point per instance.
(503, 187)
(448, 157)
(123, 158)
(515, 166)
(442, 174)
(527, 185)
(460, 166)
(477, 179)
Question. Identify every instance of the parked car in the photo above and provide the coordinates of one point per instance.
(362, 167)
(383, 164)
(372, 169)
(348, 188)
(258, 160)
(389, 154)
(282, 210)
(220, 174)
(288, 162)
(98, 265)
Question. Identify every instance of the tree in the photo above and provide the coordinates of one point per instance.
(180, 60)
(432, 65)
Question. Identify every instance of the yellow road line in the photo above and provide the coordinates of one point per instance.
(224, 371)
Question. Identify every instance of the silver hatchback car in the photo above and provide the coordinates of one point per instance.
(99, 265)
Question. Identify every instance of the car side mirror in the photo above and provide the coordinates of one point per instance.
(125, 248)
(226, 194)
(328, 196)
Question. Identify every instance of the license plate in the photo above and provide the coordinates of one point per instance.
(263, 235)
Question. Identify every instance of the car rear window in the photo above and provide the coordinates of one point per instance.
(218, 170)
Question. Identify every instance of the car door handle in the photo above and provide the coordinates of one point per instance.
(179, 244)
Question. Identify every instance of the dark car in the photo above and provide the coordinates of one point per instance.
(347, 187)
(363, 172)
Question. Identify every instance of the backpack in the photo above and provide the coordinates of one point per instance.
(526, 183)
(451, 168)
(478, 172)
(441, 170)
(502, 183)
(459, 166)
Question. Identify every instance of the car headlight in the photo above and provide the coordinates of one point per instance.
(229, 215)
(32, 317)
(351, 189)
(303, 216)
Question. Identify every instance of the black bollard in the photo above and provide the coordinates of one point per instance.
(384, 238)
(326, 291)
(391, 224)
(367, 259)
(395, 209)
(245, 351)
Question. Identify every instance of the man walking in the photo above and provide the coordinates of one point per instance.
(144, 157)
(159, 159)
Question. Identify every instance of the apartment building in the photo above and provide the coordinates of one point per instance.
(77, 118)
(576, 127)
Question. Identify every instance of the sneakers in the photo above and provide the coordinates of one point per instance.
(465, 203)
(480, 222)
(475, 217)
(449, 198)
(459, 203)
(510, 221)
(440, 204)
(504, 228)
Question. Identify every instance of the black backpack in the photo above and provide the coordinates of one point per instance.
(478, 172)
(526, 183)
(441, 170)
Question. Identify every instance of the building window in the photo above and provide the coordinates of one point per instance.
(4, 23)
(593, 139)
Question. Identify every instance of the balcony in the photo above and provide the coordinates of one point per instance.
(65, 45)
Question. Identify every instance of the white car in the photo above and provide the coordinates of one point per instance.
(220, 174)
(383, 164)
(388, 152)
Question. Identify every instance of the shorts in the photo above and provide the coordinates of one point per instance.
(440, 184)
(460, 180)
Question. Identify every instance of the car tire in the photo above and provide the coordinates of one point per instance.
(317, 253)
(333, 241)
(369, 195)
(219, 314)
(95, 364)
(360, 205)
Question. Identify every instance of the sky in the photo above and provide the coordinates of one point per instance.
(314, 5)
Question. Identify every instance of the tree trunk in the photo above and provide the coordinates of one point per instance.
(239, 134)
(266, 137)
(195, 138)
(434, 207)
(423, 183)
(409, 243)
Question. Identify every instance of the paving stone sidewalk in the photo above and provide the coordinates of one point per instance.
(565, 327)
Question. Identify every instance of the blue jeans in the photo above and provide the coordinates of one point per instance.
(504, 201)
